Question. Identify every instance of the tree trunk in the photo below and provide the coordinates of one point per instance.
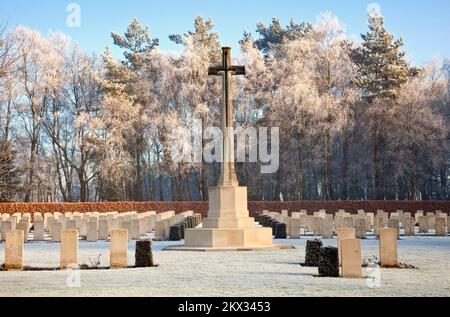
(377, 161)
(344, 175)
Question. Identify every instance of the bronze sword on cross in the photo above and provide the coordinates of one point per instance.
(228, 175)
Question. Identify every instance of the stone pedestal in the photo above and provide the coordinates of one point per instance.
(228, 225)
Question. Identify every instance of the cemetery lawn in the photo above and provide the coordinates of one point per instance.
(242, 274)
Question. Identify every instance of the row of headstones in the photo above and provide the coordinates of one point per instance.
(91, 226)
(16, 221)
(173, 228)
(325, 225)
(348, 254)
(177, 231)
(14, 250)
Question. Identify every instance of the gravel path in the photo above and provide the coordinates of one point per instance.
(274, 273)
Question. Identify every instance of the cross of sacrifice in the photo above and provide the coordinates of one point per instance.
(227, 71)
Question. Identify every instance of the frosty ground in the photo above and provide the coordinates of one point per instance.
(274, 273)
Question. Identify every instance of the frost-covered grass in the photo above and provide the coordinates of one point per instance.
(274, 273)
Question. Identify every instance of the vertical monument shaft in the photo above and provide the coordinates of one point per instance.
(228, 175)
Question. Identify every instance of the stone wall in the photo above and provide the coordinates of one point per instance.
(202, 207)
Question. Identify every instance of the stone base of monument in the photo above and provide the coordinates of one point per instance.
(228, 227)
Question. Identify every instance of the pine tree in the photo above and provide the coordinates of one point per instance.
(9, 176)
(124, 82)
(275, 34)
(137, 43)
(203, 35)
(382, 68)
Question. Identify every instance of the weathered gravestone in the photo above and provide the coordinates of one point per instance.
(409, 225)
(388, 247)
(113, 223)
(71, 224)
(126, 225)
(348, 222)
(24, 227)
(103, 231)
(339, 221)
(294, 228)
(118, 254)
(440, 227)
(417, 215)
(327, 228)
(370, 220)
(351, 258)
(394, 224)
(280, 231)
(360, 228)
(135, 229)
(344, 233)
(431, 218)
(92, 233)
(175, 233)
(317, 225)
(14, 250)
(378, 223)
(56, 231)
(69, 248)
(423, 224)
(6, 227)
(38, 230)
(83, 226)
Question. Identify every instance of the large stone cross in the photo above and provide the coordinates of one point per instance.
(227, 71)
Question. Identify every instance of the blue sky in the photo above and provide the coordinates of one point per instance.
(425, 25)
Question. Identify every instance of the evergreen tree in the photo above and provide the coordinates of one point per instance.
(9, 176)
(382, 68)
(124, 82)
(381, 72)
(275, 34)
(137, 43)
(203, 35)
